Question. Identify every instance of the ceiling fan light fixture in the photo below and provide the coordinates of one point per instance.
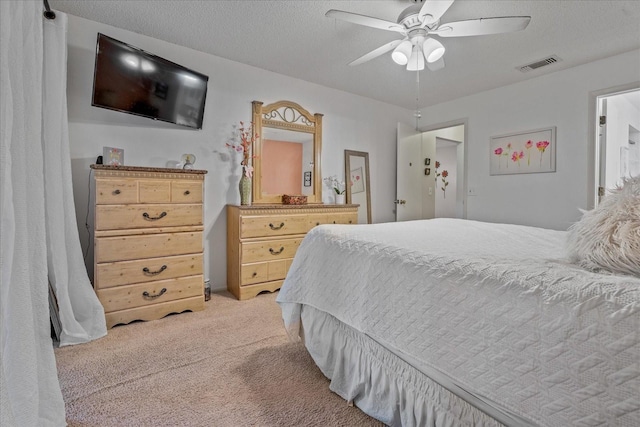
(416, 62)
(402, 53)
(433, 50)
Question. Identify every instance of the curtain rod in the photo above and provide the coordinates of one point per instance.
(48, 13)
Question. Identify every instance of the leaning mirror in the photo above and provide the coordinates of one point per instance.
(287, 153)
(356, 168)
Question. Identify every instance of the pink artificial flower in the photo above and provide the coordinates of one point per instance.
(498, 151)
(528, 144)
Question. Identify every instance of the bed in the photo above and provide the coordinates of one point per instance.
(450, 322)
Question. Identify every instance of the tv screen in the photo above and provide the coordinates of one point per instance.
(130, 80)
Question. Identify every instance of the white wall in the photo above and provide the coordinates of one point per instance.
(349, 122)
(558, 99)
(447, 156)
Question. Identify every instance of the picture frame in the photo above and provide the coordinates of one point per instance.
(532, 151)
(307, 179)
(427, 171)
(357, 181)
(427, 161)
(113, 156)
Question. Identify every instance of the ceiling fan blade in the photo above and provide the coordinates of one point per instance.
(482, 26)
(367, 21)
(435, 66)
(376, 52)
(434, 8)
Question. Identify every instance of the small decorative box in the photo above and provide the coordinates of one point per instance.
(293, 200)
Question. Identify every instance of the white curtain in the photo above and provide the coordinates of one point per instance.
(81, 314)
(29, 218)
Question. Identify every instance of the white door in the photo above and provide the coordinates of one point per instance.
(602, 150)
(409, 167)
(618, 142)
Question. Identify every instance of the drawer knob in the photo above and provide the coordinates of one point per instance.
(350, 221)
(148, 295)
(276, 252)
(317, 223)
(116, 192)
(255, 273)
(154, 218)
(186, 193)
(334, 222)
(276, 227)
(153, 273)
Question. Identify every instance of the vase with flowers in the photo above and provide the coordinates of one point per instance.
(247, 137)
(338, 188)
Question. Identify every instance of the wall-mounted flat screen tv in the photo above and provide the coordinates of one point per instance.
(133, 81)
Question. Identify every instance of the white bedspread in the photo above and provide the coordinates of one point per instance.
(493, 307)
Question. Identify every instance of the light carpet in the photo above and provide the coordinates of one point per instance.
(229, 365)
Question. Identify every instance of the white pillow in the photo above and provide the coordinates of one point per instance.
(608, 237)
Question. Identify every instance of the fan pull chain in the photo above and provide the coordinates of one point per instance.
(417, 113)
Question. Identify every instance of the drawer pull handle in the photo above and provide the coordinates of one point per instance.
(255, 273)
(116, 192)
(148, 295)
(154, 218)
(153, 273)
(334, 222)
(186, 193)
(276, 252)
(350, 221)
(273, 227)
(317, 223)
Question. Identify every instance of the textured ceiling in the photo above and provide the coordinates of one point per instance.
(294, 38)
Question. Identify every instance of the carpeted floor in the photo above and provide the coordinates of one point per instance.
(229, 365)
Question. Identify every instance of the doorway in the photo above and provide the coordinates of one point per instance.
(617, 145)
(420, 180)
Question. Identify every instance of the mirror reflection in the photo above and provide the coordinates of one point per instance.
(287, 162)
(356, 165)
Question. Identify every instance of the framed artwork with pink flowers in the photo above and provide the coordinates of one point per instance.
(524, 152)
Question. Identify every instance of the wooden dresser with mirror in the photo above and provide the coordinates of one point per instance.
(262, 238)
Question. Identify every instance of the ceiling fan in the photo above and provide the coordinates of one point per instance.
(418, 23)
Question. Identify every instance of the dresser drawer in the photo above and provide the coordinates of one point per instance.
(265, 226)
(112, 274)
(115, 217)
(186, 192)
(263, 271)
(342, 219)
(154, 191)
(268, 250)
(122, 248)
(130, 296)
(116, 191)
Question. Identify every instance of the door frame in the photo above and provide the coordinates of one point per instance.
(465, 160)
(593, 156)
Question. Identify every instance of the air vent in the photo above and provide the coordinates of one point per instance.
(541, 63)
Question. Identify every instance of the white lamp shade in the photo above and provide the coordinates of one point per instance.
(416, 61)
(432, 49)
(402, 53)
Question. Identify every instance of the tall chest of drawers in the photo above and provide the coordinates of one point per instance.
(147, 241)
(262, 241)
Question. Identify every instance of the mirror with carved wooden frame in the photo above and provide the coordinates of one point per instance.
(279, 125)
(356, 171)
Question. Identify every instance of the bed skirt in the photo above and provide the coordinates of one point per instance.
(378, 382)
